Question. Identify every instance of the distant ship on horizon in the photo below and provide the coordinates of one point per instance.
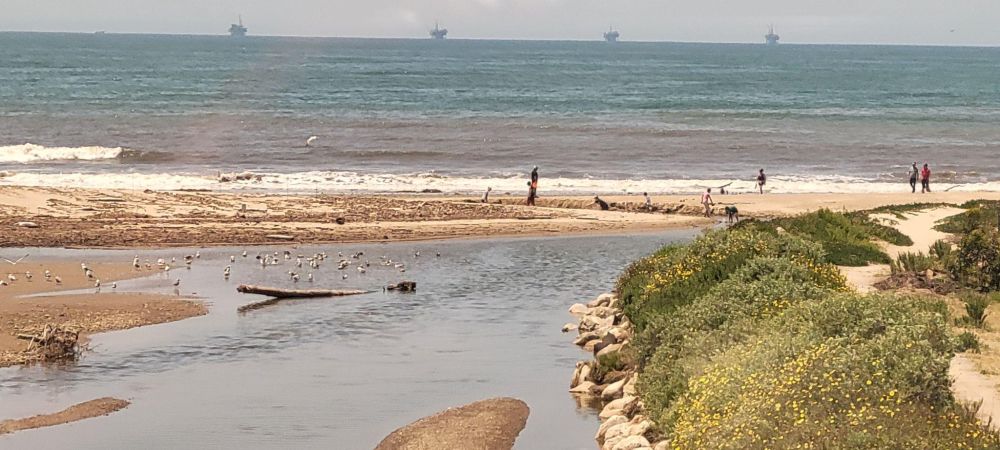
(237, 29)
(771, 38)
(611, 35)
(438, 32)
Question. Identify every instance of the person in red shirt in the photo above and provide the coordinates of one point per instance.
(925, 179)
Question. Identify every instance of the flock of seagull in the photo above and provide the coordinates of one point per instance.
(266, 259)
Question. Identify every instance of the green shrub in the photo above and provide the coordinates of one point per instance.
(762, 288)
(978, 259)
(842, 372)
(913, 262)
(749, 338)
(975, 307)
(967, 341)
(675, 276)
(845, 238)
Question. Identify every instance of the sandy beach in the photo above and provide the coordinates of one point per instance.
(26, 306)
(116, 218)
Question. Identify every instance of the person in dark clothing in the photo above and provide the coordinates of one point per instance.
(533, 187)
(761, 181)
(603, 204)
(732, 214)
(913, 178)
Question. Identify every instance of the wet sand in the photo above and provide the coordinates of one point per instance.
(124, 218)
(26, 306)
(484, 425)
(108, 218)
(86, 410)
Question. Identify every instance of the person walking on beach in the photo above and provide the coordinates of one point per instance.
(706, 200)
(925, 179)
(914, 172)
(486, 195)
(761, 180)
(533, 187)
(649, 201)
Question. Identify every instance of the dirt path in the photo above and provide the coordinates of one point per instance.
(971, 386)
(919, 227)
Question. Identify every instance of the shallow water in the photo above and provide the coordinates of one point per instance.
(338, 373)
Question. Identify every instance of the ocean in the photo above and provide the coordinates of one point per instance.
(172, 112)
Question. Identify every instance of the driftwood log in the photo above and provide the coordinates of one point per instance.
(54, 343)
(285, 294)
(403, 286)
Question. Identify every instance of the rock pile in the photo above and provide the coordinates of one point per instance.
(605, 331)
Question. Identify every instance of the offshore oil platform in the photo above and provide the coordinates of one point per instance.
(438, 32)
(771, 38)
(237, 29)
(611, 35)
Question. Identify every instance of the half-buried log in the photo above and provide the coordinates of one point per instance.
(485, 425)
(285, 294)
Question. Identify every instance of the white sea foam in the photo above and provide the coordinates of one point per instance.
(351, 182)
(28, 153)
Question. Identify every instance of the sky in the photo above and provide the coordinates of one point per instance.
(937, 22)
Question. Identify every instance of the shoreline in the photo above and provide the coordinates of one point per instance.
(27, 306)
(100, 218)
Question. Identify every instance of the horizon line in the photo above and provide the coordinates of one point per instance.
(500, 39)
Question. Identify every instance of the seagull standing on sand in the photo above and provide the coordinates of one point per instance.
(177, 282)
(58, 280)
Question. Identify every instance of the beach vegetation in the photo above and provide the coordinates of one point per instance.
(967, 341)
(976, 305)
(913, 262)
(750, 338)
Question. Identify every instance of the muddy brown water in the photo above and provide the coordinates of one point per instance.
(337, 373)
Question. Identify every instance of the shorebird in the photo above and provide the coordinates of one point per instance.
(309, 277)
(232, 258)
(135, 262)
(345, 276)
(83, 266)
(226, 271)
(295, 278)
(14, 262)
(48, 274)
(244, 253)
(298, 262)
(11, 277)
(27, 275)
(197, 255)
(438, 254)
(177, 282)
(114, 285)
(58, 280)
(89, 273)
(3, 282)
(310, 140)
(361, 269)
(97, 284)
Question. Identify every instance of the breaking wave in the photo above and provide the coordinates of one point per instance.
(384, 183)
(29, 153)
